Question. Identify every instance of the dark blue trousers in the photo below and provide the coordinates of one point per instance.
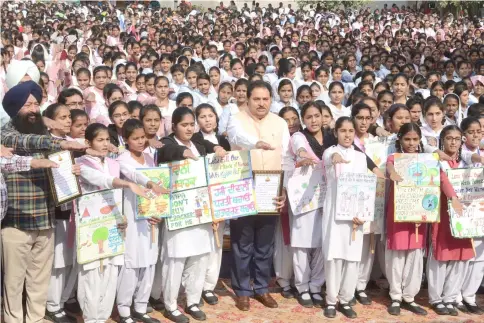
(252, 241)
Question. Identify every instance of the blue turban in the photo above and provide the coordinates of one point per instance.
(16, 97)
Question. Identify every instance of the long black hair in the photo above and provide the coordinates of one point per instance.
(406, 128)
(444, 133)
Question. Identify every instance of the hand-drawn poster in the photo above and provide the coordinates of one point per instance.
(231, 168)
(355, 196)
(187, 174)
(154, 206)
(468, 183)
(378, 149)
(306, 189)
(189, 208)
(232, 200)
(417, 197)
(98, 215)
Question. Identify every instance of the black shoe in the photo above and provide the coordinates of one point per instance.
(58, 317)
(414, 308)
(157, 304)
(473, 308)
(347, 311)
(195, 312)
(176, 316)
(451, 308)
(394, 308)
(362, 297)
(288, 293)
(149, 308)
(140, 317)
(306, 302)
(126, 319)
(209, 297)
(73, 307)
(461, 307)
(352, 302)
(330, 311)
(440, 308)
(317, 301)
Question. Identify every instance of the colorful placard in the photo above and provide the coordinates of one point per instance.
(188, 174)
(468, 184)
(231, 168)
(156, 205)
(232, 200)
(98, 215)
(189, 208)
(355, 196)
(417, 197)
(306, 189)
(378, 149)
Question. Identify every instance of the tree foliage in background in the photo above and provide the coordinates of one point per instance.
(456, 6)
(333, 5)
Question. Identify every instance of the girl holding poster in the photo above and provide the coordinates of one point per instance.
(96, 285)
(185, 252)
(306, 149)
(137, 273)
(342, 240)
(404, 253)
(207, 120)
(448, 256)
(471, 128)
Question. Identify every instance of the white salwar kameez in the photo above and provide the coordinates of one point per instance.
(341, 254)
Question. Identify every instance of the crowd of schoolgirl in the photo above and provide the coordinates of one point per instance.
(152, 95)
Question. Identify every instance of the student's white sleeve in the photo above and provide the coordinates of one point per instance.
(428, 148)
(97, 178)
(224, 120)
(132, 175)
(286, 137)
(238, 137)
(467, 157)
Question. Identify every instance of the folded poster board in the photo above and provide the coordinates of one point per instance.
(98, 215)
(378, 149)
(306, 189)
(417, 197)
(355, 196)
(156, 205)
(468, 184)
(65, 185)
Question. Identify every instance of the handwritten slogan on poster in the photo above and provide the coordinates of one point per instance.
(232, 200)
(417, 197)
(468, 184)
(156, 205)
(306, 189)
(188, 174)
(97, 218)
(378, 150)
(355, 196)
(231, 168)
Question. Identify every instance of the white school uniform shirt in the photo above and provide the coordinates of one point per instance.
(478, 242)
(429, 132)
(337, 235)
(93, 180)
(277, 106)
(306, 228)
(139, 252)
(191, 241)
(217, 106)
(212, 137)
(338, 113)
(230, 110)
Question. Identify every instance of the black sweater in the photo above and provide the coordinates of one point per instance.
(172, 151)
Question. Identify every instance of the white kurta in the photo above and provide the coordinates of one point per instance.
(337, 235)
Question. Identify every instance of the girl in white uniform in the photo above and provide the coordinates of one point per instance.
(433, 112)
(207, 120)
(336, 96)
(341, 252)
(64, 272)
(471, 129)
(185, 252)
(166, 105)
(285, 91)
(97, 287)
(141, 245)
(306, 149)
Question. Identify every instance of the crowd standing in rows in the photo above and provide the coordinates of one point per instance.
(136, 87)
